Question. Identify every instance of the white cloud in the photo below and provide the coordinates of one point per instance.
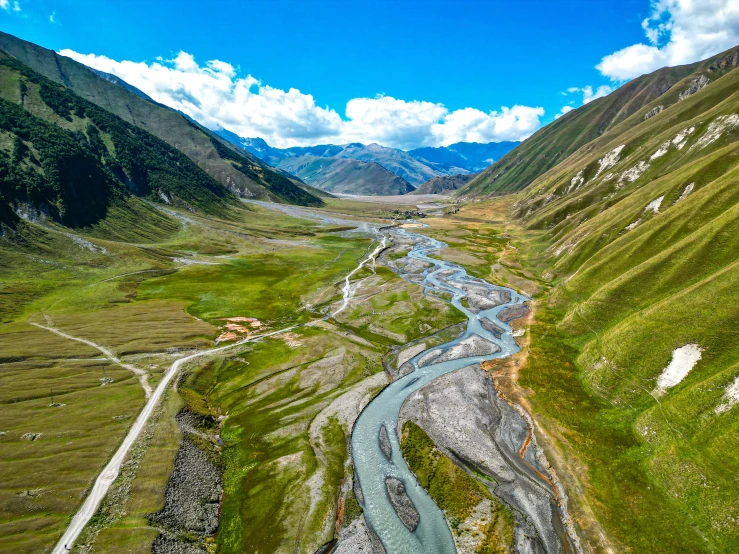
(564, 110)
(216, 95)
(588, 95)
(678, 32)
(52, 17)
(7, 5)
(600, 92)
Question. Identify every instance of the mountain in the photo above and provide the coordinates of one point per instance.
(68, 159)
(121, 83)
(346, 176)
(640, 227)
(242, 173)
(412, 169)
(561, 138)
(401, 163)
(472, 156)
(444, 184)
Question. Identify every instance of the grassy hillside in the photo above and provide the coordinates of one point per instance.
(68, 159)
(558, 140)
(346, 176)
(240, 172)
(637, 232)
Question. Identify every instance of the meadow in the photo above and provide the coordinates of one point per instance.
(151, 293)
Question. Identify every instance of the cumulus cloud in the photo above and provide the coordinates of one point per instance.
(588, 94)
(564, 110)
(7, 5)
(216, 95)
(677, 32)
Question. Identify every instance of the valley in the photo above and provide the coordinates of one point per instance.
(212, 345)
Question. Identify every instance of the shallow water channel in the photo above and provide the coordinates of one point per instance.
(516, 464)
(372, 466)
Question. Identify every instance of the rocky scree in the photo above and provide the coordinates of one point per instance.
(193, 493)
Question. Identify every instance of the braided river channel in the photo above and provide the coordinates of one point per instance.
(380, 468)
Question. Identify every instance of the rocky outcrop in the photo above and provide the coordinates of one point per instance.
(695, 85)
(654, 111)
(402, 503)
(193, 493)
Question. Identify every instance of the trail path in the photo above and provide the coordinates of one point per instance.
(111, 470)
(140, 373)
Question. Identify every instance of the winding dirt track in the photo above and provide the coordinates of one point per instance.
(140, 373)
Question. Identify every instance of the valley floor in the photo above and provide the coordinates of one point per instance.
(249, 451)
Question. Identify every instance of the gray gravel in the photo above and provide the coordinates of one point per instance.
(466, 419)
(168, 544)
(482, 296)
(402, 503)
(513, 312)
(385, 445)
(491, 327)
(471, 346)
(193, 493)
(192, 496)
(357, 538)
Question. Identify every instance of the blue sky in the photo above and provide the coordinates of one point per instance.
(401, 73)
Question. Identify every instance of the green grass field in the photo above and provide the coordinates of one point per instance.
(457, 494)
(149, 292)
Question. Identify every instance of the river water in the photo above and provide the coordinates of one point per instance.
(522, 484)
(371, 465)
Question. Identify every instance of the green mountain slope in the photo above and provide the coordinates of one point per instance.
(66, 158)
(555, 142)
(243, 174)
(642, 225)
(346, 176)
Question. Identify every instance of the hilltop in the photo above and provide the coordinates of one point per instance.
(444, 184)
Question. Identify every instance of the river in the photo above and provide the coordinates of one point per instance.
(372, 466)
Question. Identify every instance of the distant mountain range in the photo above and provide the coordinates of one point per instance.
(415, 167)
(346, 175)
(445, 184)
(472, 156)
